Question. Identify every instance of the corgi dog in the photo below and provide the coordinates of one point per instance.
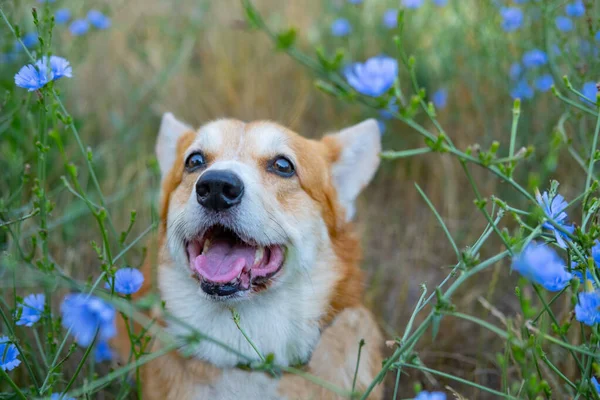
(256, 251)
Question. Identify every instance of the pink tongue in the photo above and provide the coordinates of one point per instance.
(223, 261)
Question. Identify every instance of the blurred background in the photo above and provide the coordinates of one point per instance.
(201, 61)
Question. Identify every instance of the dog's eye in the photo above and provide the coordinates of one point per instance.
(282, 167)
(194, 161)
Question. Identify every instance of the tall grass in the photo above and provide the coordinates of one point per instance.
(77, 157)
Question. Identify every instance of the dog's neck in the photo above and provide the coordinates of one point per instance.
(284, 321)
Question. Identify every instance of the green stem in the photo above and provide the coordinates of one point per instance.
(590, 171)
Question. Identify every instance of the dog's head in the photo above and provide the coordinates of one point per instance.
(247, 206)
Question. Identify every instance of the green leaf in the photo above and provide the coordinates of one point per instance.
(286, 39)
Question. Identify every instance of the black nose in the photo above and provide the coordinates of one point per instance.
(218, 190)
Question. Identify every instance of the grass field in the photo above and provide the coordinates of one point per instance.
(203, 60)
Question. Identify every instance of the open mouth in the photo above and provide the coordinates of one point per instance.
(226, 264)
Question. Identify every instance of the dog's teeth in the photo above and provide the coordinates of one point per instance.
(259, 255)
(206, 245)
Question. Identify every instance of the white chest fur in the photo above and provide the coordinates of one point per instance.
(282, 321)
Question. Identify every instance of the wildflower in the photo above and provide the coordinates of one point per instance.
(355, 1)
(534, 58)
(590, 91)
(31, 78)
(596, 384)
(555, 209)
(440, 98)
(597, 36)
(596, 253)
(522, 90)
(575, 9)
(62, 16)
(440, 3)
(46, 1)
(540, 264)
(587, 309)
(390, 18)
(79, 27)
(98, 20)
(102, 352)
(556, 49)
(515, 71)
(564, 24)
(32, 309)
(8, 355)
(57, 396)
(59, 66)
(341, 27)
(544, 82)
(425, 395)
(412, 3)
(374, 77)
(85, 315)
(29, 40)
(588, 277)
(127, 281)
(512, 18)
(381, 126)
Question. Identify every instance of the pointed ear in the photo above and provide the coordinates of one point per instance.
(166, 145)
(356, 158)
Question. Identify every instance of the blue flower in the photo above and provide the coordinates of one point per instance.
(440, 3)
(79, 27)
(596, 253)
(102, 352)
(56, 396)
(575, 9)
(85, 314)
(355, 1)
(341, 27)
(556, 49)
(597, 36)
(374, 77)
(62, 16)
(390, 18)
(8, 355)
(540, 264)
(381, 126)
(543, 83)
(590, 91)
(564, 24)
(98, 20)
(29, 40)
(596, 384)
(32, 309)
(587, 309)
(515, 71)
(534, 58)
(31, 78)
(512, 18)
(127, 281)
(440, 98)
(588, 277)
(520, 1)
(522, 90)
(59, 66)
(555, 209)
(425, 395)
(412, 3)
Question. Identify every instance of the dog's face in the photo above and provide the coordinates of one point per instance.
(249, 206)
